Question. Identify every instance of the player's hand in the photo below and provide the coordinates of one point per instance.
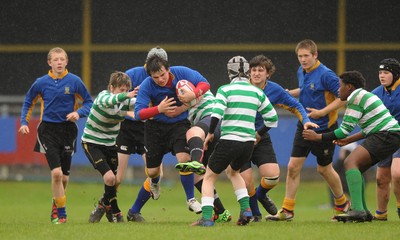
(315, 113)
(178, 111)
(341, 142)
(24, 129)
(131, 94)
(136, 90)
(130, 114)
(167, 105)
(72, 117)
(209, 138)
(186, 96)
(309, 125)
(311, 135)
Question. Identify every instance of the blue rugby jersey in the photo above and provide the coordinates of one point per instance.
(150, 94)
(318, 88)
(137, 76)
(391, 99)
(281, 98)
(58, 97)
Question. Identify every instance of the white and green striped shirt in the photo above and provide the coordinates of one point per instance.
(202, 109)
(106, 115)
(368, 111)
(237, 104)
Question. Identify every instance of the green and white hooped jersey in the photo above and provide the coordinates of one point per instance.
(366, 110)
(202, 109)
(106, 115)
(237, 104)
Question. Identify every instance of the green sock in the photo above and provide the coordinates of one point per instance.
(355, 182)
(244, 203)
(207, 212)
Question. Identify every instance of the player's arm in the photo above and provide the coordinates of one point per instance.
(294, 92)
(318, 113)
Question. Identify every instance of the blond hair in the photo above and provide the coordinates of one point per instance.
(56, 50)
(307, 44)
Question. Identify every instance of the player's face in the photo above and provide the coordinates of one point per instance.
(344, 90)
(258, 75)
(385, 77)
(306, 58)
(58, 62)
(161, 77)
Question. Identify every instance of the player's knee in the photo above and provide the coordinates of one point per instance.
(109, 178)
(57, 174)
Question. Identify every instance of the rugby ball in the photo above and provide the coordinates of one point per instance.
(183, 86)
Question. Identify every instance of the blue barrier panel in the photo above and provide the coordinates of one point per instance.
(8, 134)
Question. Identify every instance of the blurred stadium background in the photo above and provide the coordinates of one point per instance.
(103, 36)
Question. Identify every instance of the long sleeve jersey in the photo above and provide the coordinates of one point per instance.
(106, 115)
(367, 111)
(237, 104)
(58, 97)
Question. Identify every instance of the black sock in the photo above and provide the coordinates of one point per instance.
(196, 148)
(110, 195)
(198, 185)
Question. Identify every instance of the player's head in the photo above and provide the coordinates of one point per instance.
(308, 44)
(350, 81)
(263, 62)
(391, 65)
(157, 51)
(238, 67)
(119, 82)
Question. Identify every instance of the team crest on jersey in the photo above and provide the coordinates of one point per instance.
(67, 90)
(312, 86)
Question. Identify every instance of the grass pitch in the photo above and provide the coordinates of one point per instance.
(25, 210)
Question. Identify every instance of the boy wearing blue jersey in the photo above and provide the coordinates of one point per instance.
(382, 138)
(317, 92)
(166, 120)
(60, 92)
(261, 71)
(236, 104)
(99, 136)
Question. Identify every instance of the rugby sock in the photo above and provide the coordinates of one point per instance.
(243, 198)
(110, 194)
(380, 215)
(354, 181)
(207, 207)
(289, 204)
(142, 197)
(254, 204)
(187, 181)
(341, 201)
(60, 203)
(218, 206)
(196, 148)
